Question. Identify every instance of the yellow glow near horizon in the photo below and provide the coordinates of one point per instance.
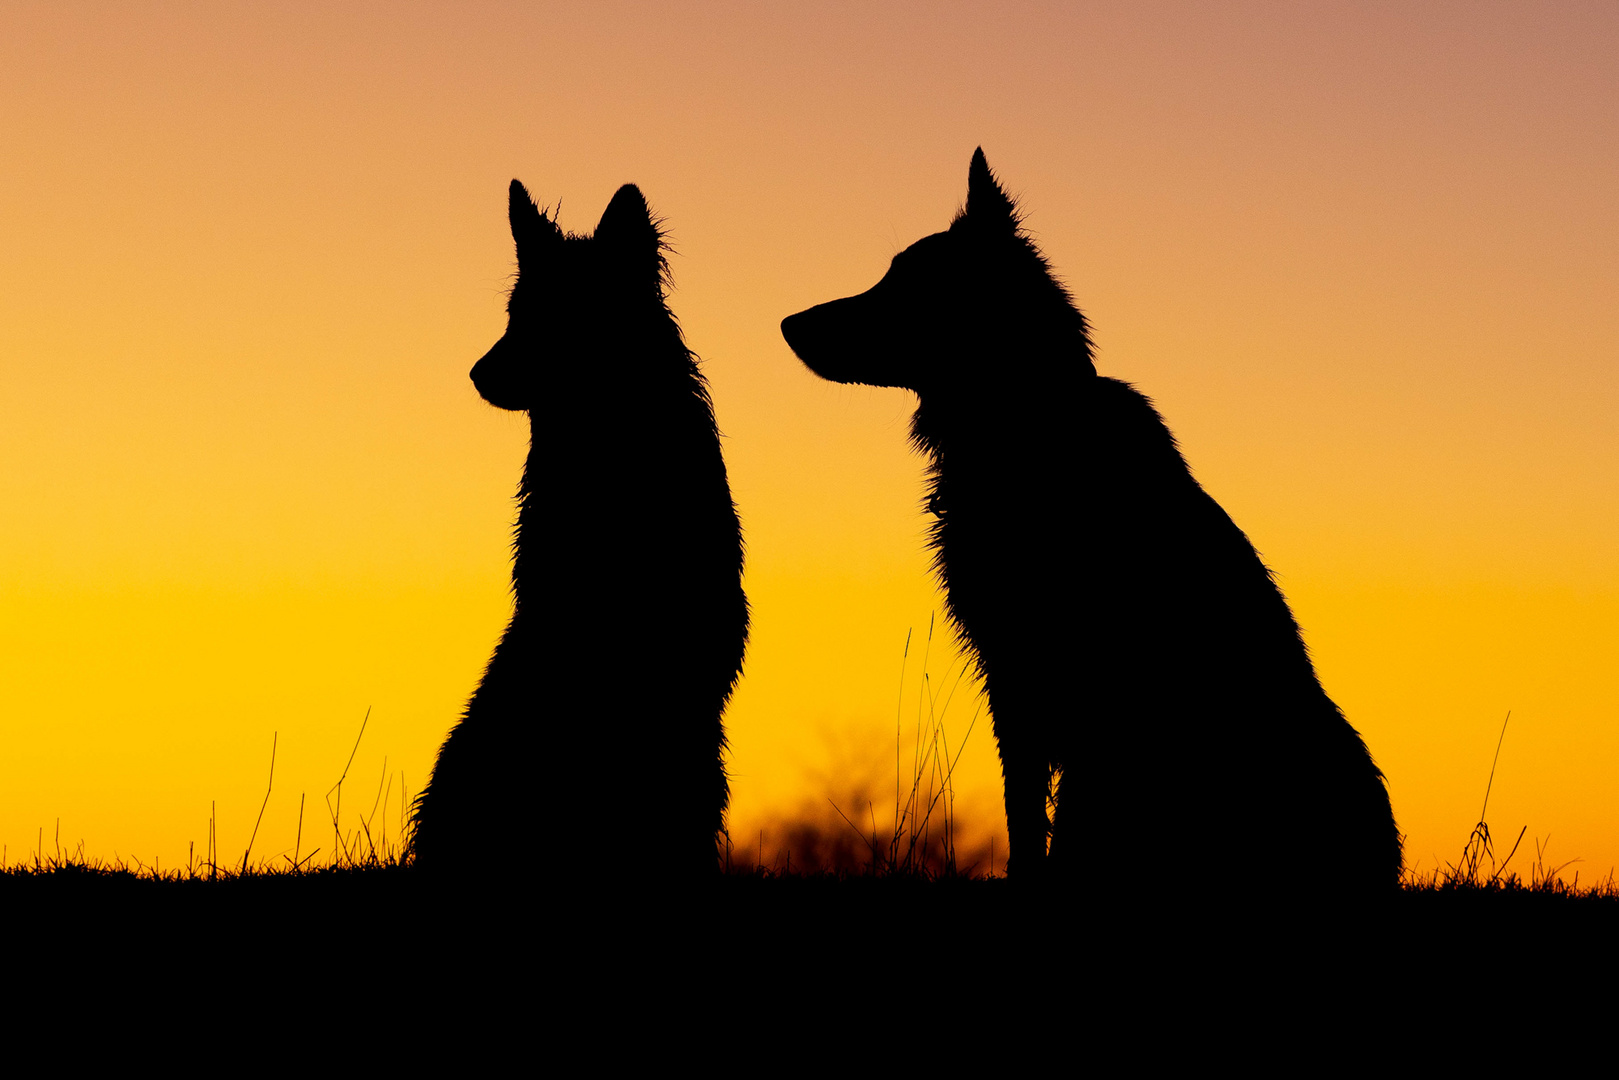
(1361, 258)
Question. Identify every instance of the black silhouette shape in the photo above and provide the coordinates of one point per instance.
(1132, 644)
(595, 735)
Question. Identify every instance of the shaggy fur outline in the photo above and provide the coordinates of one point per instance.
(596, 734)
(1141, 665)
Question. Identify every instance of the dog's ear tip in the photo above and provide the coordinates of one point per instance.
(628, 225)
(978, 169)
(986, 199)
(627, 204)
(531, 228)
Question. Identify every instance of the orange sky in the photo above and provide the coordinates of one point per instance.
(1364, 258)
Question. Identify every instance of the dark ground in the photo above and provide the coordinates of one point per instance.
(821, 928)
(787, 973)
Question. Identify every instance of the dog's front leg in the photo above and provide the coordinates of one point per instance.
(1027, 779)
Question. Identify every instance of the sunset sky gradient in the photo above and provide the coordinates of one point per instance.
(1363, 256)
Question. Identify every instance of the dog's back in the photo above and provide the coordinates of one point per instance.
(1221, 750)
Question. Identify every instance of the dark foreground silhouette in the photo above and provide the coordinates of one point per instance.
(366, 939)
(1130, 639)
(599, 716)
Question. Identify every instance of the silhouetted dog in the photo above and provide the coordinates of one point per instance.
(1129, 637)
(594, 740)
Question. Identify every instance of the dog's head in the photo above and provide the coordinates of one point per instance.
(976, 303)
(574, 297)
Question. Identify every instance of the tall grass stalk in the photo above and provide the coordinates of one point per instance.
(924, 812)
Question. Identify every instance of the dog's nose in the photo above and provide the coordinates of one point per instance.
(793, 329)
(498, 378)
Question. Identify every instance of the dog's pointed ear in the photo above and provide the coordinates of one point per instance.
(627, 228)
(532, 231)
(987, 204)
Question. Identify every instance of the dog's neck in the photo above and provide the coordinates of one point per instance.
(999, 414)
